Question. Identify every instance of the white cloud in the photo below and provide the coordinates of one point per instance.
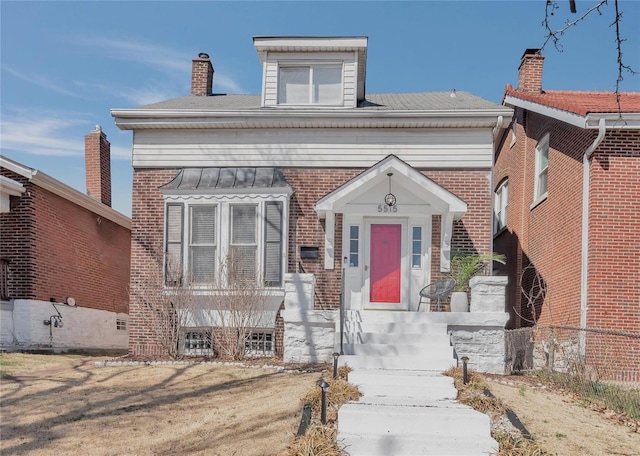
(41, 132)
(176, 64)
(137, 96)
(40, 80)
(167, 60)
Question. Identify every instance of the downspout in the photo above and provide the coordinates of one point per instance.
(495, 132)
(584, 260)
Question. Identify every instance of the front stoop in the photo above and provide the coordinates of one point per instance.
(408, 407)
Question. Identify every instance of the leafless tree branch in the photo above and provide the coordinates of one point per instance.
(555, 36)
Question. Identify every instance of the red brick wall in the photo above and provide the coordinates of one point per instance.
(547, 236)
(305, 229)
(147, 233)
(58, 249)
(614, 233)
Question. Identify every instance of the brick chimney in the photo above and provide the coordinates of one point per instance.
(97, 158)
(201, 76)
(530, 71)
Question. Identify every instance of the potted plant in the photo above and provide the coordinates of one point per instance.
(463, 268)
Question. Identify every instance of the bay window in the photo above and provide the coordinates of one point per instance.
(245, 241)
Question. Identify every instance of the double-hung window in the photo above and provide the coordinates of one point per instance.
(243, 245)
(542, 166)
(501, 202)
(206, 243)
(202, 243)
(310, 85)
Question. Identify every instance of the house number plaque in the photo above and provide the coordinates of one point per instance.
(386, 208)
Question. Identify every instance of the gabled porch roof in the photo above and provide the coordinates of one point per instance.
(440, 199)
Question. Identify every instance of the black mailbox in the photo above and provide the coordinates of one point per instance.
(309, 253)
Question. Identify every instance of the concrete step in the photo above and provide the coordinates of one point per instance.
(386, 445)
(395, 338)
(382, 327)
(396, 349)
(437, 362)
(424, 422)
(386, 316)
(400, 385)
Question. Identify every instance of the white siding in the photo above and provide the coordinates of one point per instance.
(349, 84)
(432, 148)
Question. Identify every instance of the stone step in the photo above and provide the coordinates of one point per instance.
(425, 422)
(437, 362)
(386, 445)
(395, 338)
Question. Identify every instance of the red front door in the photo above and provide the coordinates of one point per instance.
(385, 274)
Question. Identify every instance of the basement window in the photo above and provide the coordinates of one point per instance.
(260, 343)
(198, 343)
(121, 325)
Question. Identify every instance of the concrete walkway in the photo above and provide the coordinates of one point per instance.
(408, 407)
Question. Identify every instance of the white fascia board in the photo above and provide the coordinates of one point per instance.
(555, 113)
(17, 168)
(266, 44)
(129, 119)
(11, 187)
(71, 194)
(614, 121)
(591, 121)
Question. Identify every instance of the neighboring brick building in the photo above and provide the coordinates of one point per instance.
(567, 189)
(310, 176)
(57, 243)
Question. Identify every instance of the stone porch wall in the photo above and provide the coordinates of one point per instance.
(310, 334)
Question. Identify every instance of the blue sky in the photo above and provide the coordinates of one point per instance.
(64, 65)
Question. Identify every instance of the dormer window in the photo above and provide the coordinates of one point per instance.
(310, 85)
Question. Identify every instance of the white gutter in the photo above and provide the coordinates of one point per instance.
(496, 131)
(70, 194)
(584, 261)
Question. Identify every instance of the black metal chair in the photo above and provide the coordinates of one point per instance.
(438, 290)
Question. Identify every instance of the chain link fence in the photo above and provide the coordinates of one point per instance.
(600, 364)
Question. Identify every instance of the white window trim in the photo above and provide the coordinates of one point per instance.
(500, 206)
(537, 196)
(223, 227)
(311, 66)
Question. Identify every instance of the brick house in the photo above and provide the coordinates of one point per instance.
(567, 186)
(64, 256)
(367, 192)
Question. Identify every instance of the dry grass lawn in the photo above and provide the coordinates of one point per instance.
(54, 404)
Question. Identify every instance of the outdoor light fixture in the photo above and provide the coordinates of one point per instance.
(335, 364)
(465, 361)
(390, 198)
(324, 386)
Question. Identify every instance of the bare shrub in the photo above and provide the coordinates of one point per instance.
(166, 309)
(237, 308)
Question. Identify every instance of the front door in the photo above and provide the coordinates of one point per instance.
(385, 277)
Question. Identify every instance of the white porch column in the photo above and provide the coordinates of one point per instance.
(329, 239)
(446, 232)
